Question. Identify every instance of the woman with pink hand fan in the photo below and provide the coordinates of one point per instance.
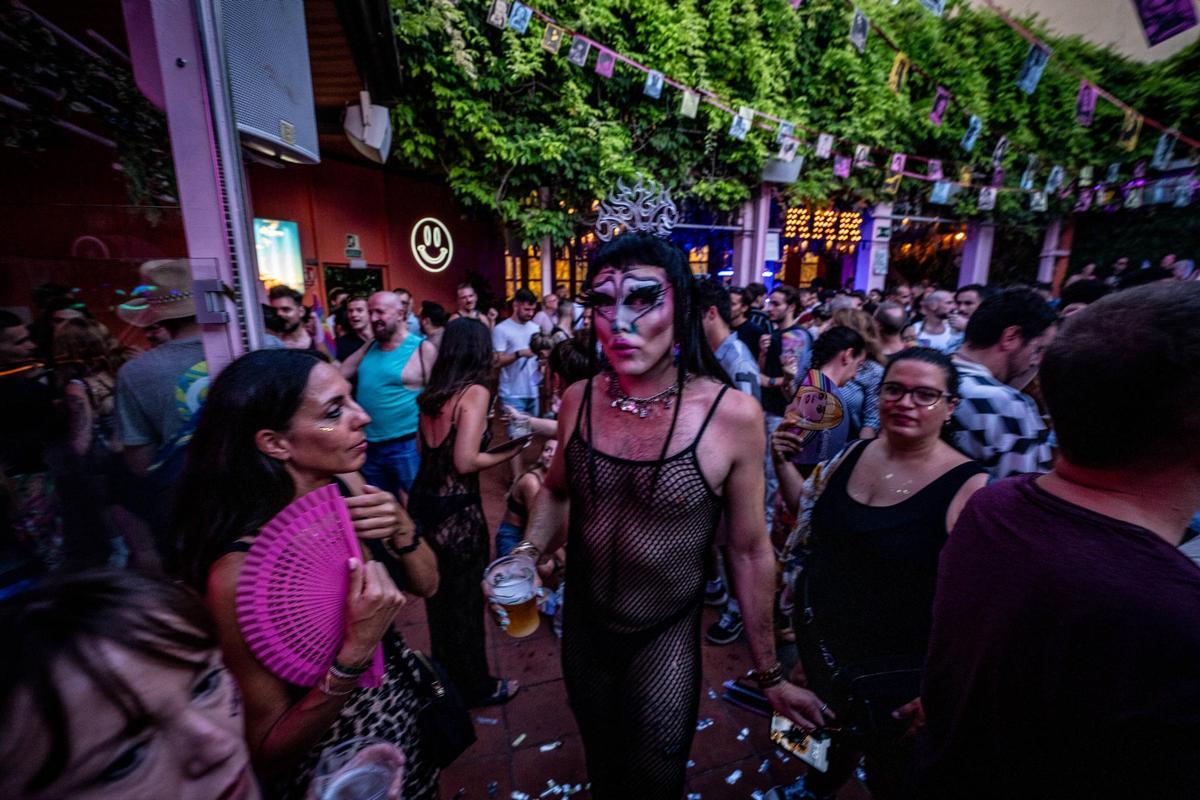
(277, 426)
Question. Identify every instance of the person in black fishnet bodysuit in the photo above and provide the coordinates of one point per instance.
(641, 497)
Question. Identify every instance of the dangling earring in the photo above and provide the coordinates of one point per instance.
(675, 354)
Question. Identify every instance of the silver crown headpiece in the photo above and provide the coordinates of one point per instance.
(644, 208)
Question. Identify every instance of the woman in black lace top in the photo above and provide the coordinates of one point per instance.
(448, 510)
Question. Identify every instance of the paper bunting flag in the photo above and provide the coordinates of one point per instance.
(897, 163)
(941, 102)
(1087, 176)
(964, 176)
(1157, 193)
(1131, 128)
(891, 184)
(941, 193)
(997, 176)
(1031, 71)
(786, 131)
(654, 84)
(1055, 179)
(552, 38)
(841, 166)
(498, 13)
(578, 52)
(862, 155)
(1163, 151)
(605, 61)
(689, 104)
(858, 31)
(934, 170)
(1085, 200)
(1114, 173)
(787, 149)
(1162, 19)
(899, 74)
(935, 6)
(519, 17)
(739, 127)
(1085, 104)
(1037, 201)
(987, 198)
(974, 126)
(1027, 179)
(1067, 191)
(824, 145)
(796, 4)
(999, 151)
(1134, 197)
(1139, 170)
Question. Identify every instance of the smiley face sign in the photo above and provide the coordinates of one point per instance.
(431, 244)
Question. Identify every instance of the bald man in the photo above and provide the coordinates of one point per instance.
(391, 371)
(934, 330)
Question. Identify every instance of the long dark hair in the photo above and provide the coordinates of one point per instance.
(64, 620)
(464, 358)
(230, 488)
(695, 355)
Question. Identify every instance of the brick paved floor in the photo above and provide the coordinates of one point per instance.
(540, 713)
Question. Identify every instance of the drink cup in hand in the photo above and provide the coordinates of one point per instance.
(363, 768)
(511, 586)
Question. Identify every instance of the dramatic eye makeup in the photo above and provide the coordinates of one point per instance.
(637, 296)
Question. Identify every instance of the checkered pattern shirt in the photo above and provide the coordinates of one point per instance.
(999, 426)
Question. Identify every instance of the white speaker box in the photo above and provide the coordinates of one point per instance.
(270, 81)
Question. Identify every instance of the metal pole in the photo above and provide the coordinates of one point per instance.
(229, 150)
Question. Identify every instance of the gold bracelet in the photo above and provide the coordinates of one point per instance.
(326, 684)
(526, 548)
(766, 678)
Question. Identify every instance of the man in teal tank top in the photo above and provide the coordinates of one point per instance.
(391, 372)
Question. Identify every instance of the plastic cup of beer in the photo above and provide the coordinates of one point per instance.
(513, 587)
(363, 768)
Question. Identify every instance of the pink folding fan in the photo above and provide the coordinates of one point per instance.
(291, 594)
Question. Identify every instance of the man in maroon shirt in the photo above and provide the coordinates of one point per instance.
(1065, 655)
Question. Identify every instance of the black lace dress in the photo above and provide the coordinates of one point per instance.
(638, 536)
(448, 511)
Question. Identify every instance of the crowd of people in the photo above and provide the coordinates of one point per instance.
(971, 511)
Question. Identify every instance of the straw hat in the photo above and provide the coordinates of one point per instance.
(165, 293)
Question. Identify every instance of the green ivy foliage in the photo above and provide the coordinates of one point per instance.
(533, 139)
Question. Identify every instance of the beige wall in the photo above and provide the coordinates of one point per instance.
(1112, 22)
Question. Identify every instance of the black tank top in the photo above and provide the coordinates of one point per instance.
(872, 569)
(639, 532)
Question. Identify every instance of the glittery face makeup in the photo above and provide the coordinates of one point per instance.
(634, 312)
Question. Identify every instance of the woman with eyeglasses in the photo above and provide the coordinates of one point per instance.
(864, 599)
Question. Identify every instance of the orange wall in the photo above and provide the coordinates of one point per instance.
(332, 199)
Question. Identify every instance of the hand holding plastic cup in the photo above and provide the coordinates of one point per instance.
(511, 585)
(363, 768)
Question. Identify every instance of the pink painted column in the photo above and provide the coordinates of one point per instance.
(871, 265)
(743, 260)
(164, 43)
(977, 254)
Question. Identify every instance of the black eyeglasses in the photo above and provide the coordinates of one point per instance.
(925, 396)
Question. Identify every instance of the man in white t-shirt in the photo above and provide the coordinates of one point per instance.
(545, 317)
(934, 331)
(518, 363)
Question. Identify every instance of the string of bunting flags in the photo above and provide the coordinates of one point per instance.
(518, 16)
